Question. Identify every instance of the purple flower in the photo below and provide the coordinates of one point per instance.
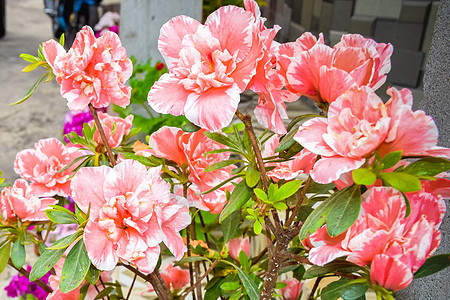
(74, 120)
(20, 286)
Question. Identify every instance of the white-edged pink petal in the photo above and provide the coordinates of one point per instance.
(328, 169)
(168, 95)
(99, 248)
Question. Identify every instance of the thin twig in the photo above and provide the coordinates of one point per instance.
(299, 202)
(102, 135)
(192, 287)
(188, 245)
(316, 285)
(131, 286)
(260, 255)
(25, 273)
(155, 279)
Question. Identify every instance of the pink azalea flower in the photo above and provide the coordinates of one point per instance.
(211, 64)
(115, 128)
(19, 201)
(92, 71)
(382, 237)
(188, 151)
(42, 164)
(175, 277)
(322, 73)
(301, 163)
(411, 131)
(292, 290)
(235, 246)
(125, 204)
(357, 124)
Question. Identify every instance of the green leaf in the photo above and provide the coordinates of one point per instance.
(317, 271)
(190, 127)
(92, 275)
(252, 176)
(230, 286)
(104, 292)
(29, 58)
(280, 206)
(391, 159)
(33, 66)
(61, 40)
(261, 194)
(249, 284)
(18, 254)
(319, 215)
(190, 259)
(222, 164)
(222, 139)
(4, 255)
(239, 197)
(243, 260)
(146, 161)
(257, 228)
(354, 291)
(60, 217)
(65, 241)
(429, 166)
(364, 176)
(45, 262)
(344, 211)
(75, 267)
(286, 190)
(433, 264)
(30, 92)
(299, 118)
(230, 225)
(333, 290)
(402, 181)
(286, 141)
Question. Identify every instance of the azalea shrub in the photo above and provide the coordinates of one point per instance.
(354, 194)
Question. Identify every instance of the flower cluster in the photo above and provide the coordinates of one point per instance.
(20, 286)
(93, 71)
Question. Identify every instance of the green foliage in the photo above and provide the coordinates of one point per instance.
(75, 267)
(433, 264)
(4, 255)
(345, 211)
(230, 225)
(239, 196)
(18, 254)
(345, 288)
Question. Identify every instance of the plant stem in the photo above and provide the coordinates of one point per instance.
(316, 285)
(188, 245)
(247, 120)
(299, 202)
(192, 288)
(131, 286)
(197, 263)
(25, 273)
(102, 135)
(155, 279)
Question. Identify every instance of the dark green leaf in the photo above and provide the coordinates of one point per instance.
(354, 291)
(4, 255)
(65, 241)
(243, 260)
(299, 118)
(287, 140)
(75, 267)
(92, 275)
(391, 159)
(239, 197)
(143, 160)
(364, 176)
(18, 254)
(286, 190)
(402, 181)
(230, 225)
(252, 176)
(221, 139)
(317, 188)
(104, 292)
(333, 290)
(190, 127)
(249, 284)
(45, 262)
(60, 217)
(345, 211)
(319, 215)
(190, 259)
(429, 166)
(213, 291)
(222, 164)
(317, 271)
(433, 264)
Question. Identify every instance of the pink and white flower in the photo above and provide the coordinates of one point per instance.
(175, 278)
(301, 163)
(357, 124)
(235, 246)
(211, 64)
(292, 290)
(323, 73)
(19, 201)
(42, 166)
(93, 71)
(125, 201)
(115, 128)
(188, 151)
(394, 245)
